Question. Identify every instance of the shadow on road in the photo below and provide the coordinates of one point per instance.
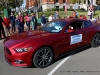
(76, 51)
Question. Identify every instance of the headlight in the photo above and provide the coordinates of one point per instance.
(19, 50)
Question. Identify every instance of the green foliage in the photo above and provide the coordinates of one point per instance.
(61, 9)
(47, 14)
(70, 9)
(10, 3)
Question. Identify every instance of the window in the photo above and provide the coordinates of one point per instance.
(64, 1)
(87, 24)
(54, 27)
(76, 25)
(57, 1)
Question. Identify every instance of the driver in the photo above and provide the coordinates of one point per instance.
(70, 29)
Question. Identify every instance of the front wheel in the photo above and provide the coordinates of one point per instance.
(43, 57)
(96, 40)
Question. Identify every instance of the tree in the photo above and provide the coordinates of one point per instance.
(37, 5)
(10, 3)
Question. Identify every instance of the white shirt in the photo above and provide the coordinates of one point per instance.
(50, 18)
(89, 12)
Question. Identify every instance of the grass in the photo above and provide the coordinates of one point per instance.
(69, 13)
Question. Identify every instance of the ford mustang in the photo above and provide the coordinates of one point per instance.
(41, 46)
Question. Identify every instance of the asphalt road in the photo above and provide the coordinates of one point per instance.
(84, 62)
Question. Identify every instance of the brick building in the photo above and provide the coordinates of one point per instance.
(47, 4)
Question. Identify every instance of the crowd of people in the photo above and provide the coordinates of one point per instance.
(20, 23)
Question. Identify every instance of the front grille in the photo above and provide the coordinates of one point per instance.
(8, 51)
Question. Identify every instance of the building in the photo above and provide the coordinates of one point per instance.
(47, 4)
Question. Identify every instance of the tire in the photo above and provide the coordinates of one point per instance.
(96, 40)
(43, 57)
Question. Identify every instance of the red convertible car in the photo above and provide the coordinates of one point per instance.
(40, 47)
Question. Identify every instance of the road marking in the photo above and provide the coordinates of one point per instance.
(59, 65)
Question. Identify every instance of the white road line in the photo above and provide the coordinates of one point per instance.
(51, 73)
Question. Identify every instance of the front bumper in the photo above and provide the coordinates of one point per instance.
(18, 59)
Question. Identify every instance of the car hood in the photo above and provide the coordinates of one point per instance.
(26, 36)
(29, 34)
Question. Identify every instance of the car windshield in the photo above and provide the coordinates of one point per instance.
(55, 26)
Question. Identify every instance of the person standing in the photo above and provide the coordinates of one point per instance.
(51, 18)
(7, 25)
(90, 14)
(27, 19)
(34, 21)
(56, 15)
(21, 18)
(1, 28)
(74, 14)
(18, 24)
(43, 20)
(12, 21)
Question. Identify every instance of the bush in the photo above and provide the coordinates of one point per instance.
(47, 14)
(81, 10)
(70, 9)
(54, 9)
(61, 9)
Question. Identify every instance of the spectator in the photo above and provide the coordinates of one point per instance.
(70, 17)
(34, 21)
(21, 18)
(51, 18)
(56, 15)
(43, 20)
(84, 17)
(98, 20)
(18, 24)
(90, 14)
(81, 17)
(94, 8)
(2, 29)
(28, 19)
(7, 25)
(74, 14)
(12, 21)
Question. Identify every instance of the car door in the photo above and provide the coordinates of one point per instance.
(65, 42)
(71, 40)
(81, 30)
(79, 37)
